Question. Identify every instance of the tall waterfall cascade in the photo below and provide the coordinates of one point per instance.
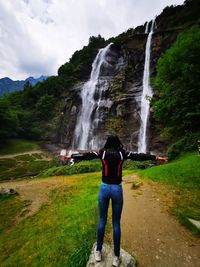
(147, 93)
(93, 100)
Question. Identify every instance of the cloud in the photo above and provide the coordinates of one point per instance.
(37, 36)
(38, 9)
(18, 46)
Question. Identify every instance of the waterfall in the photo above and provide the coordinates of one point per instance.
(91, 94)
(146, 94)
(147, 28)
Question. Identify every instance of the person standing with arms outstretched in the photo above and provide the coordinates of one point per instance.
(112, 156)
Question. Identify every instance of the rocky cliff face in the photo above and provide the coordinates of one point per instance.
(120, 110)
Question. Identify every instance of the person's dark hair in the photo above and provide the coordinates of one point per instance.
(113, 142)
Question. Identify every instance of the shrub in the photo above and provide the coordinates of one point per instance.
(80, 167)
(187, 143)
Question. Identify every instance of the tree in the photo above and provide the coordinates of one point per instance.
(8, 120)
(44, 106)
(177, 83)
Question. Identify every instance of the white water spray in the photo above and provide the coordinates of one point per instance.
(147, 93)
(83, 137)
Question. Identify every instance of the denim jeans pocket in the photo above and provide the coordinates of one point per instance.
(116, 187)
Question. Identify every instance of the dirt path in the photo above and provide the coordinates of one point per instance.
(36, 191)
(148, 231)
(9, 156)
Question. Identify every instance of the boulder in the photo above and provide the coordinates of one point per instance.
(107, 258)
(7, 191)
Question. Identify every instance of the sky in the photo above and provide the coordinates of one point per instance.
(38, 36)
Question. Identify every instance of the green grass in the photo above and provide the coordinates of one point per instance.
(80, 167)
(61, 233)
(184, 171)
(10, 207)
(12, 146)
(24, 166)
(134, 165)
(183, 174)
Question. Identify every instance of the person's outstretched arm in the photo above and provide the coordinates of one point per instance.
(143, 157)
(85, 155)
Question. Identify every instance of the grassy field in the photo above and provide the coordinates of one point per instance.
(12, 146)
(183, 174)
(61, 233)
(24, 166)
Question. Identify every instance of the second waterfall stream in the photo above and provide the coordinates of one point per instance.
(147, 93)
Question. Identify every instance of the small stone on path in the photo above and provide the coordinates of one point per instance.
(7, 191)
(195, 223)
(107, 258)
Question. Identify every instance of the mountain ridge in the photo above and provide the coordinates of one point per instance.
(8, 85)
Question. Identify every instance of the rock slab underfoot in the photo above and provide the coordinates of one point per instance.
(107, 258)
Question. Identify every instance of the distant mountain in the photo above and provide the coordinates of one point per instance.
(7, 85)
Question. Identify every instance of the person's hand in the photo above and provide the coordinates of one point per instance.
(161, 159)
(64, 158)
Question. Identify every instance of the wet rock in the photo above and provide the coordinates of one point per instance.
(73, 110)
(107, 258)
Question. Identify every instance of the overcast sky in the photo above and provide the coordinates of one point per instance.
(38, 36)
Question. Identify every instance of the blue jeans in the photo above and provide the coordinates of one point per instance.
(107, 192)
